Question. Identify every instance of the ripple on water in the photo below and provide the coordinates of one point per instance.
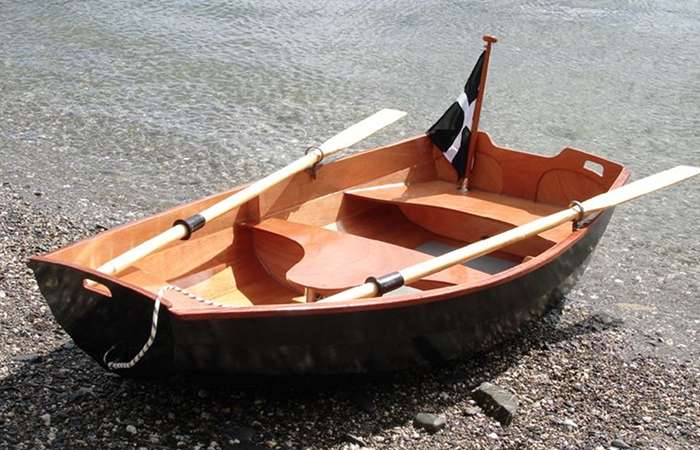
(128, 94)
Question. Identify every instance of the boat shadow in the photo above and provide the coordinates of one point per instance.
(244, 412)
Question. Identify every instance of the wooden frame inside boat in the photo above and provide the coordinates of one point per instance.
(363, 215)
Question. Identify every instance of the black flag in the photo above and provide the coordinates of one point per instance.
(451, 132)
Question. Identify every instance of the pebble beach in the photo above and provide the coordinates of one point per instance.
(593, 373)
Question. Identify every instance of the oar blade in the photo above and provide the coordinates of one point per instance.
(361, 130)
(640, 187)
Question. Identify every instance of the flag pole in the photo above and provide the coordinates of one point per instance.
(477, 112)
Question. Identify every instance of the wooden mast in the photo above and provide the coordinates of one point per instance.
(477, 112)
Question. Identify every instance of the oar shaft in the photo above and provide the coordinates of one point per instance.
(600, 202)
(342, 140)
(640, 187)
(260, 186)
(126, 259)
(461, 255)
(185, 227)
(486, 246)
(179, 231)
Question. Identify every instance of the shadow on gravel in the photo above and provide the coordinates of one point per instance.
(86, 404)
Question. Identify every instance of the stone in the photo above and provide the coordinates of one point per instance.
(430, 422)
(28, 358)
(367, 405)
(568, 423)
(472, 411)
(46, 419)
(601, 321)
(496, 402)
(619, 443)
(131, 429)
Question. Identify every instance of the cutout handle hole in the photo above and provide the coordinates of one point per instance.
(96, 287)
(594, 167)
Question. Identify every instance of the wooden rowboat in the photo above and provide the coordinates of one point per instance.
(241, 295)
(373, 262)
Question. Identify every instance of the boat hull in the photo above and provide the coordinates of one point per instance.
(365, 340)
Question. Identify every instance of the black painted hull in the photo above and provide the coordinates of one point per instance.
(346, 342)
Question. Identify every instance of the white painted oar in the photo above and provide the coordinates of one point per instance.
(381, 285)
(184, 227)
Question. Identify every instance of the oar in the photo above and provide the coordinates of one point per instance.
(381, 285)
(183, 228)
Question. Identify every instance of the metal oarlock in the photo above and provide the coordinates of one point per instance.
(581, 213)
(312, 169)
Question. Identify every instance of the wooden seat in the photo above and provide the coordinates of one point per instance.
(329, 261)
(444, 195)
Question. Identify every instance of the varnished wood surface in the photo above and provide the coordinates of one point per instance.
(440, 194)
(555, 180)
(329, 261)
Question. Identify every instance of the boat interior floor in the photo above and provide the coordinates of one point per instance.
(294, 257)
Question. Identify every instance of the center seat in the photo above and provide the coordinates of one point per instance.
(327, 261)
(440, 208)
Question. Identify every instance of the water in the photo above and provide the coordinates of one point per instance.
(135, 106)
(151, 103)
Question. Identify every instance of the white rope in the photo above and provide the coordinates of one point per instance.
(197, 298)
(149, 342)
(154, 326)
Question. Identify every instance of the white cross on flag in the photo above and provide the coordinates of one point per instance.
(451, 132)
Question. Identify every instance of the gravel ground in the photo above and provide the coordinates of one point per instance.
(609, 367)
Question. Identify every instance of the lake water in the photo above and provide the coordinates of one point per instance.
(149, 103)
